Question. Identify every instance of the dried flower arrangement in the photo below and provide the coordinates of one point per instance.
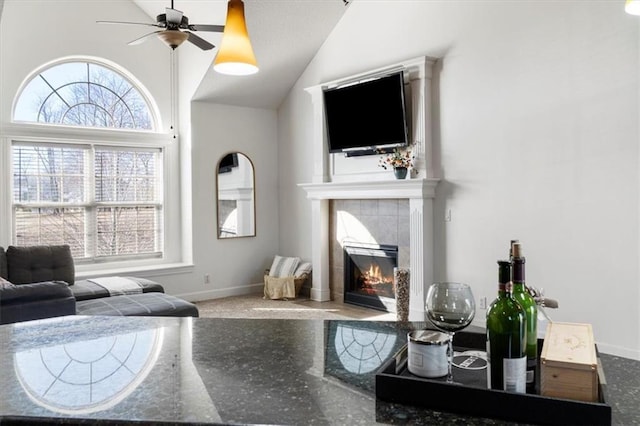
(398, 158)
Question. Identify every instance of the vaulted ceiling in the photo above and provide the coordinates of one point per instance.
(285, 34)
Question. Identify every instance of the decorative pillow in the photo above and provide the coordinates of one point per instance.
(284, 266)
(303, 268)
(5, 284)
(32, 264)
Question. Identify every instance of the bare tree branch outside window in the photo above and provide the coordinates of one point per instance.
(121, 214)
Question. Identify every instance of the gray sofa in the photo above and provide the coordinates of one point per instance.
(41, 284)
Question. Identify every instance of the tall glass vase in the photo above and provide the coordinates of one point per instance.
(401, 285)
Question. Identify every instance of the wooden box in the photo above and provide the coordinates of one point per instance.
(568, 362)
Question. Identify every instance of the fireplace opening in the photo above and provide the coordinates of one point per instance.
(368, 275)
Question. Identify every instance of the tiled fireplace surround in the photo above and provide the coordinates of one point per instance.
(345, 207)
(344, 212)
(381, 222)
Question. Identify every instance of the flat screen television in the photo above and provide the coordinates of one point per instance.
(367, 116)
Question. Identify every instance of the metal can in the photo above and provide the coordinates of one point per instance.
(428, 353)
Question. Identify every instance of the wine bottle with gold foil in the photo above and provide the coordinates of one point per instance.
(522, 296)
(506, 337)
(511, 249)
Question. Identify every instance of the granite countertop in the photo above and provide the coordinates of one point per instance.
(74, 370)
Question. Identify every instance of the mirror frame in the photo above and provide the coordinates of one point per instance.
(253, 193)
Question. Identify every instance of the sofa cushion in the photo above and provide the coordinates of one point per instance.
(34, 291)
(3, 263)
(145, 304)
(35, 301)
(32, 264)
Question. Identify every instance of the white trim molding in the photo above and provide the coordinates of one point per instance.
(420, 193)
(390, 189)
(418, 74)
(364, 184)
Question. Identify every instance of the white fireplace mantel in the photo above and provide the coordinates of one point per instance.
(405, 188)
(327, 185)
(419, 192)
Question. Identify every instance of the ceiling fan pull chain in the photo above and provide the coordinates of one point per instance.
(174, 92)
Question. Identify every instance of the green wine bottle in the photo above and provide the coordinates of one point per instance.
(506, 337)
(527, 302)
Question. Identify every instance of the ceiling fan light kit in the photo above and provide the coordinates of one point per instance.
(173, 38)
(236, 55)
(632, 7)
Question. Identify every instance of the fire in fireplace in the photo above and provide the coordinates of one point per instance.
(368, 275)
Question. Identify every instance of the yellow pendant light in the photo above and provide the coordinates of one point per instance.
(632, 7)
(235, 56)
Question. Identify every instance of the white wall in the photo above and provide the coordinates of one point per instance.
(35, 33)
(536, 131)
(237, 263)
(68, 28)
(64, 29)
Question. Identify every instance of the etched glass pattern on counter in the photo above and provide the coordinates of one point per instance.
(89, 375)
(362, 350)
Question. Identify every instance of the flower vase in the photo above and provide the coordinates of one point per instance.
(400, 172)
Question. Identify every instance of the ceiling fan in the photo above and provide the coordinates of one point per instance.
(175, 29)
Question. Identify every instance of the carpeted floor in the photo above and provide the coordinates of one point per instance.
(254, 306)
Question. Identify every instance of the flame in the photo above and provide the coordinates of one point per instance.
(374, 275)
(374, 282)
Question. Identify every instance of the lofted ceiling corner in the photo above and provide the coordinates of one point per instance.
(285, 34)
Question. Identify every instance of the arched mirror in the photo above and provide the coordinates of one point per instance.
(236, 196)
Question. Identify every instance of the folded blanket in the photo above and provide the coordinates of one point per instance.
(118, 285)
(279, 288)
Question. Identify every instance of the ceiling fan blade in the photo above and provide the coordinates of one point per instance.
(143, 38)
(128, 23)
(174, 16)
(200, 42)
(212, 28)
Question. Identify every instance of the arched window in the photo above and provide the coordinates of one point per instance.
(100, 193)
(83, 94)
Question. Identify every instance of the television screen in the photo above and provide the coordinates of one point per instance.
(367, 115)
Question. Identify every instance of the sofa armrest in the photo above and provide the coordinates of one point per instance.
(26, 302)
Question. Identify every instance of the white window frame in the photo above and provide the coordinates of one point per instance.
(91, 205)
(172, 259)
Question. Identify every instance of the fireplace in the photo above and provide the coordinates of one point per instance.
(368, 275)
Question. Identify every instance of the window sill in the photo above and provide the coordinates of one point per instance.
(147, 271)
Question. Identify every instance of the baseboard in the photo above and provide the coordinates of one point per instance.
(222, 292)
(623, 352)
(603, 347)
